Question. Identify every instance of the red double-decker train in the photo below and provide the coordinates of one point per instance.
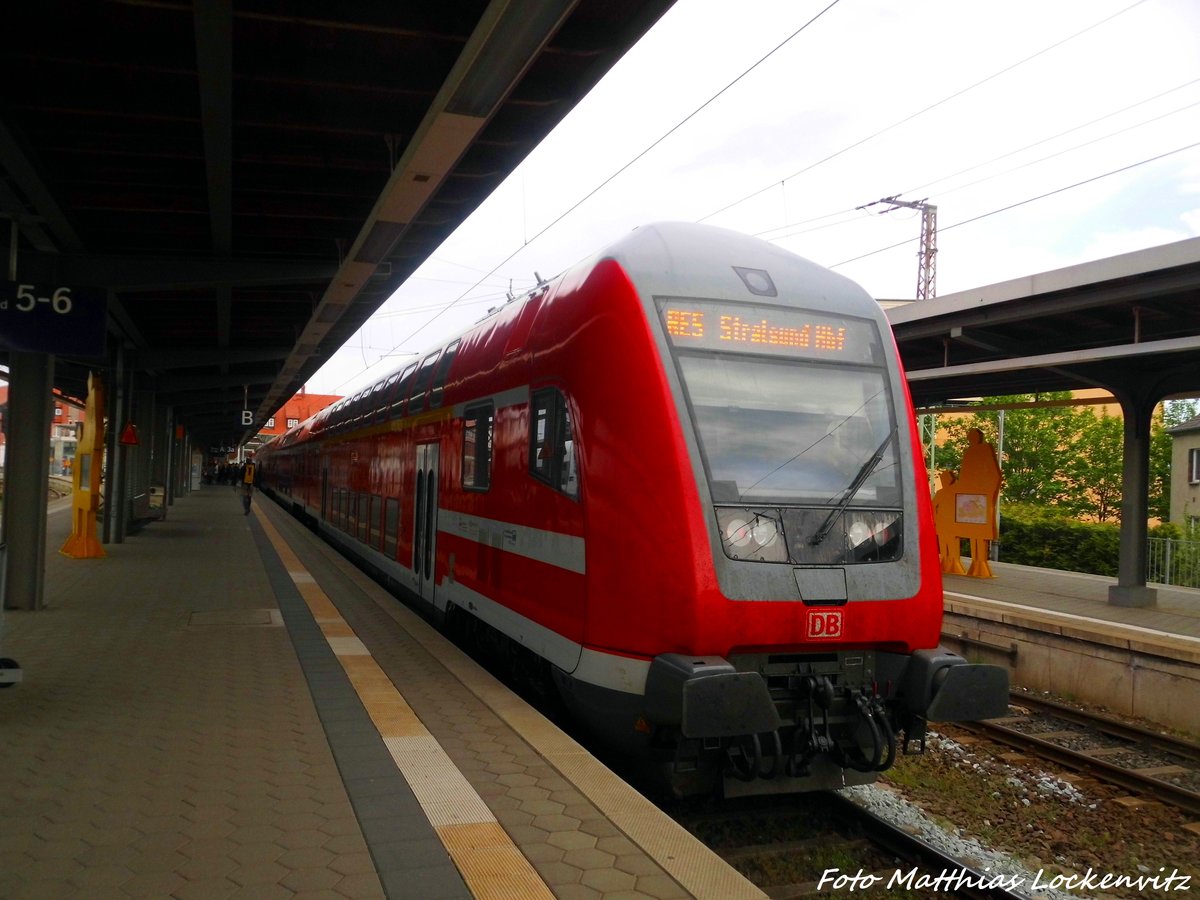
(683, 483)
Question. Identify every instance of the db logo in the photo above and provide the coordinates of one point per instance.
(824, 624)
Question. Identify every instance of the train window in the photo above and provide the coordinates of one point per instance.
(424, 377)
(391, 527)
(552, 442)
(364, 516)
(352, 514)
(815, 429)
(376, 520)
(385, 399)
(441, 374)
(370, 400)
(478, 422)
(347, 412)
(362, 404)
(402, 391)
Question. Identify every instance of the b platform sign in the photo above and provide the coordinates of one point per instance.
(52, 318)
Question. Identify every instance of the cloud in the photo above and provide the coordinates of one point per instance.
(871, 100)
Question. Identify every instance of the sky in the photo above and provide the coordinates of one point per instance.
(1047, 133)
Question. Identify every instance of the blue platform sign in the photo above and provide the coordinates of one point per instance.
(53, 318)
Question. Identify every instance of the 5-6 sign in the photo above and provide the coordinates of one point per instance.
(52, 318)
(27, 299)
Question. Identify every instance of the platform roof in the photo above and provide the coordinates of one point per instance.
(1125, 323)
(251, 180)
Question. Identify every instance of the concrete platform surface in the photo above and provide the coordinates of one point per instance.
(1079, 601)
(225, 708)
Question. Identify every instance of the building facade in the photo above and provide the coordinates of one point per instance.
(301, 406)
(1185, 476)
(68, 412)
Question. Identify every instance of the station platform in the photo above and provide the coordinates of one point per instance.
(1057, 632)
(225, 708)
(1079, 600)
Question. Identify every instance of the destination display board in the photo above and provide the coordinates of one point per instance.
(746, 328)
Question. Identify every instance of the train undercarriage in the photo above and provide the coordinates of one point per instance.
(791, 722)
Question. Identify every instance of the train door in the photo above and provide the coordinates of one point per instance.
(425, 523)
(324, 491)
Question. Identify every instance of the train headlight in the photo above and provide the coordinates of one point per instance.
(737, 532)
(860, 531)
(874, 535)
(765, 531)
(752, 535)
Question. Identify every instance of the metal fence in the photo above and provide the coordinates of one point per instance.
(1171, 561)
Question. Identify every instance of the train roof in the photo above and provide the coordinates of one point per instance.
(704, 261)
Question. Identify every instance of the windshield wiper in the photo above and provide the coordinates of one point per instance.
(853, 488)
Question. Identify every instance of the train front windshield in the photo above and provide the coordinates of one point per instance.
(794, 418)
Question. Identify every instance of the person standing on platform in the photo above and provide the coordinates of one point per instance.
(247, 483)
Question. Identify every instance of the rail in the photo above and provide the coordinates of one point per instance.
(1098, 755)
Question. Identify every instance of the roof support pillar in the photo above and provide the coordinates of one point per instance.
(115, 500)
(1137, 407)
(27, 475)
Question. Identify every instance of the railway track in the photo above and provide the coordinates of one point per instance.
(826, 845)
(1137, 759)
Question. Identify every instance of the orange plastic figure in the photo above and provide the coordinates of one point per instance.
(943, 517)
(966, 507)
(82, 543)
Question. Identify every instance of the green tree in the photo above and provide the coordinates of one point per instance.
(1036, 444)
(1094, 468)
(1176, 412)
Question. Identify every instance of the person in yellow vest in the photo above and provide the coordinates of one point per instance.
(247, 483)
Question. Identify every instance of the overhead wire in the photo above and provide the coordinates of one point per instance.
(614, 175)
(1058, 153)
(768, 233)
(452, 304)
(942, 229)
(922, 112)
(1060, 134)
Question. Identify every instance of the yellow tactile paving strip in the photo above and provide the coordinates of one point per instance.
(701, 872)
(490, 863)
(693, 866)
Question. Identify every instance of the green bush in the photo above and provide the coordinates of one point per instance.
(1167, 530)
(1046, 537)
(1040, 536)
